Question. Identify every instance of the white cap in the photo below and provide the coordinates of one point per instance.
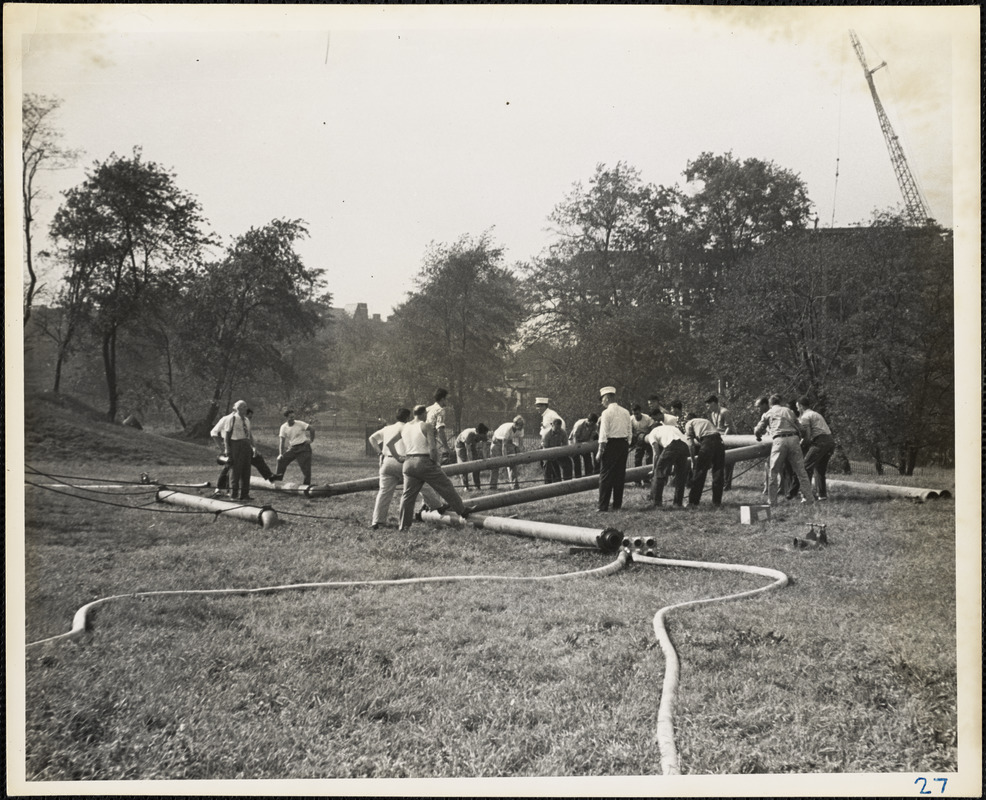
(540, 401)
(607, 390)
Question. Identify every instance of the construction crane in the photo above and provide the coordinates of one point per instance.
(915, 207)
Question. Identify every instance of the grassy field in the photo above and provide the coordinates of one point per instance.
(850, 669)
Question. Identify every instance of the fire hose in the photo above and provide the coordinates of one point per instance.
(665, 712)
(81, 620)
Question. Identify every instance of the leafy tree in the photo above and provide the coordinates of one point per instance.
(456, 329)
(861, 319)
(237, 318)
(604, 299)
(737, 207)
(125, 234)
(41, 149)
(898, 391)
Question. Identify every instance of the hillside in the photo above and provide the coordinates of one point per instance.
(57, 427)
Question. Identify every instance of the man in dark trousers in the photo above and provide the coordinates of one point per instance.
(708, 452)
(614, 445)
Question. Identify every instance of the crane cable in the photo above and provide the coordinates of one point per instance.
(838, 138)
(665, 714)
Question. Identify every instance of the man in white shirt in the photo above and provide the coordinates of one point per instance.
(435, 416)
(584, 430)
(239, 448)
(548, 415)
(507, 440)
(421, 467)
(294, 441)
(257, 460)
(392, 471)
(614, 445)
(641, 424)
(670, 448)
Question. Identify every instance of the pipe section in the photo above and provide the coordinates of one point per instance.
(749, 452)
(264, 516)
(888, 490)
(607, 540)
(372, 484)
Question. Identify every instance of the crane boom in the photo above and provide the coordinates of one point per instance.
(915, 206)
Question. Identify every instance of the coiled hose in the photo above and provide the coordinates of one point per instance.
(665, 712)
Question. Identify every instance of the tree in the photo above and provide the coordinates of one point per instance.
(861, 319)
(237, 318)
(738, 206)
(604, 299)
(456, 329)
(125, 235)
(40, 150)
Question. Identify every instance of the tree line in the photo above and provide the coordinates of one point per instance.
(720, 284)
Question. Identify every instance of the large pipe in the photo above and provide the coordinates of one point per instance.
(256, 482)
(369, 484)
(886, 490)
(265, 516)
(742, 439)
(756, 450)
(633, 474)
(606, 539)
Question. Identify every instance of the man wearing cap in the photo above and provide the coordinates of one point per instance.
(239, 447)
(707, 452)
(720, 417)
(508, 439)
(295, 443)
(786, 432)
(421, 466)
(614, 445)
(548, 415)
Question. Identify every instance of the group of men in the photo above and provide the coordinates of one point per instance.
(233, 434)
(409, 451)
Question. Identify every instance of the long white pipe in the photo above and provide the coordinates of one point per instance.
(80, 622)
(606, 539)
(265, 516)
(665, 714)
(888, 490)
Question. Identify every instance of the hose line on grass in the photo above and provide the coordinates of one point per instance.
(665, 713)
(80, 622)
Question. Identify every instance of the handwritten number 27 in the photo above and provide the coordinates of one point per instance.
(924, 784)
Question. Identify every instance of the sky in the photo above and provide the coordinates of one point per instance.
(387, 128)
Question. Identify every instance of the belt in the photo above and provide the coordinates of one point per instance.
(782, 435)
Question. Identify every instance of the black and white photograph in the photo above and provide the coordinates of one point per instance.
(493, 400)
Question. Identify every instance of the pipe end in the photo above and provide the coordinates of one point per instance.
(609, 540)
